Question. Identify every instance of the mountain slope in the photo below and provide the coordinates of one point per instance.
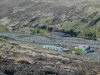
(78, 18)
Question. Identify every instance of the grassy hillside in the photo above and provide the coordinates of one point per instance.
(79, 18)
(23, 59)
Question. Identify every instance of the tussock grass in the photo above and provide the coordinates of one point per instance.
(19, 60)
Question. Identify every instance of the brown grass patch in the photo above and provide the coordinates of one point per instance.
(20, 60)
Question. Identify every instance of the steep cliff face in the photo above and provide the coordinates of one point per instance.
(81, 16)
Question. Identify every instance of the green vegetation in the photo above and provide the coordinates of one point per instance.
(73, 29)
(70, 25)
(75, 50)
(89, 30)
(3, 29)
(97, 6)
(40, 31)
(43, 28)
(90, 36)
(46, 22)
(77, 28)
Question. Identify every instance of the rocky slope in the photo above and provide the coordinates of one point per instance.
(78, 18)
